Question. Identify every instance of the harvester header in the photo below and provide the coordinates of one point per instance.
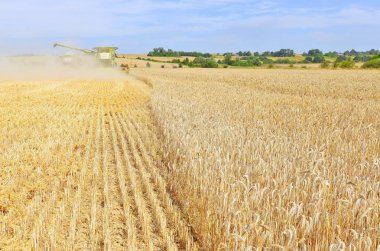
(75, 48)
(106, 55)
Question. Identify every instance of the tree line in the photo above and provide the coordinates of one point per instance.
(346, 59)
(161, 52)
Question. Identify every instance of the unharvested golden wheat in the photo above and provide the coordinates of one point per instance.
(273, 159)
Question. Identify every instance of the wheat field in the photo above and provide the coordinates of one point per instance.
(79, 170)
(282, 159)
(192, 159)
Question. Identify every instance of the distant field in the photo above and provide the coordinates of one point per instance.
(144, 56)
(131, 60)
(297, 58)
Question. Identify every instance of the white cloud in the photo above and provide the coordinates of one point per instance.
(168, 20)
(350, 17)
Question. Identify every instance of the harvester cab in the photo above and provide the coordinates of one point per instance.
(105, 55)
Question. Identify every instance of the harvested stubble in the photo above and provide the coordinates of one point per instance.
(80, 169)
(273, 159)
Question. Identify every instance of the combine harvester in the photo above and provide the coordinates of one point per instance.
(105, 55)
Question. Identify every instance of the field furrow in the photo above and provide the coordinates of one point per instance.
(144, 213)
(96, 210)
(106, 238)
(81, 198)
(152, 191)
(160, 219)
(113, 195)
(129, 220)
(83, 231)
(172, 219)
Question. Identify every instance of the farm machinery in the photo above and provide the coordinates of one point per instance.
(105, 55)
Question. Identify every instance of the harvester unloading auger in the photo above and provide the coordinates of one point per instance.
(105, 55)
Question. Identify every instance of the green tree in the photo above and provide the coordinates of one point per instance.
(342, 58)
(247, 53)
(266, 54)
(362, 58)
(228, 59)
(308, 59)
(314, 52)
(283, 53)
(331, 54)
(318, 58)
(374, 63)
(186, 61)
(347, 64)
(205, 62)
(373, 52)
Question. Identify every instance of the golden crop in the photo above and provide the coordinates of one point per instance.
(79, 169)
(274, 159)
(195, 159)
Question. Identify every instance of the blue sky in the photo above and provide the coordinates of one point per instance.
(137, 26)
